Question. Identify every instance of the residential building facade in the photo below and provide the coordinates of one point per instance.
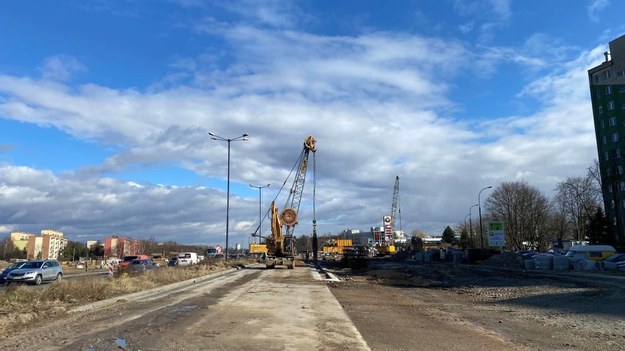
(116, 246)
(607, 91)
(48, 245)
(20, 239)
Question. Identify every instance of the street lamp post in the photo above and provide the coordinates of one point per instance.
(479, 208)
(471, 224)
(242, 137)
(260, 200)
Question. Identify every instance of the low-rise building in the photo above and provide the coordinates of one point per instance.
(20, 239)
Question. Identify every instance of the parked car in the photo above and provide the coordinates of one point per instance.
(35, 272)
(142, 265)
(527, 254)
(6, 271)
(614, 262)
(187, 258)
(172, 262)
(128, 259)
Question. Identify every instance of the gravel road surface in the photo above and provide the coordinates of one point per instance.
(391, 305)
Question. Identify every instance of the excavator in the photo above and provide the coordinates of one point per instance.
(281, 243)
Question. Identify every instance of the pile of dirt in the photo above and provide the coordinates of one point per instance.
(505, 259)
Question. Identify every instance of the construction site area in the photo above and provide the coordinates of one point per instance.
(494, 305)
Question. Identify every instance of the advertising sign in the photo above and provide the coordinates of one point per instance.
(496, 235)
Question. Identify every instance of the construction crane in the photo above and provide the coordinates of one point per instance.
(387, 246)
(395, 203)
(281, 243)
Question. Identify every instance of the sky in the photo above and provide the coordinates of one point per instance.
(106, 109)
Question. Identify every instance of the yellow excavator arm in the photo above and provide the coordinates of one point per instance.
(276, 241)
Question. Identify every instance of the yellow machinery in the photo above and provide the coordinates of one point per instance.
(336, 246)
(281, 243)
(258, 249)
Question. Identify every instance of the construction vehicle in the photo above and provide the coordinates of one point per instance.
(387, 244)
(281, 243)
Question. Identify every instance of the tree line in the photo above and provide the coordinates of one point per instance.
(533, 221)
(75, 250)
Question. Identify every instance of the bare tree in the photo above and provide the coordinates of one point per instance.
(594, 172)
(576, 201)
(526, 213)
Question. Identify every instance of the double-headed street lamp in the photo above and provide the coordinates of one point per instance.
(260, 200)
(242, 137)
(479, 207)
(471, 224)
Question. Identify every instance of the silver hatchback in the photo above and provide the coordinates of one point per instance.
(35, 272)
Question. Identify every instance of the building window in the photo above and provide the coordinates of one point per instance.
(600, 109)
(618, 153)
(620, 169)
(608, 89)
(621, 89)
(606, 156)
(623, 107)
(612, 204)
(614, 137)
(612, 121)
(604, 140)
(598, 94)
(610, 105)
(620, 73)
(602, 124)
(621, 186)
(608, 172)
(607, 74)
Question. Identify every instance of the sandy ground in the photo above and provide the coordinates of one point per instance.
(447, 307)
(391, 305)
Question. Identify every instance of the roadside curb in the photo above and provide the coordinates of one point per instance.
(328, 275)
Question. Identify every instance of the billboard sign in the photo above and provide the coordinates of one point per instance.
(496, 234)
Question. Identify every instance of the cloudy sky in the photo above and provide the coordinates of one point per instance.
(106, 106)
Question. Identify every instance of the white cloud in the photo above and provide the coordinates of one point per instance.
(595, 7)
(373, 102)
(61, 68)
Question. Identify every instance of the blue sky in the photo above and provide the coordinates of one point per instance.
(105, 108)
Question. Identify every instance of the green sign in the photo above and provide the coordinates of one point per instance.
(496, 234)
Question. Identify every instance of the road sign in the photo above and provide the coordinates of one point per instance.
(496, 234)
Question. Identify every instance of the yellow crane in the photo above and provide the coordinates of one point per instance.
(281, 243)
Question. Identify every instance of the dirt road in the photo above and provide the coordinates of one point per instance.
(390, 306)
(448, 307)
(249, 309)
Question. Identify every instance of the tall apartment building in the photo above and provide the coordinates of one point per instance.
(47, 245)
(607, 91)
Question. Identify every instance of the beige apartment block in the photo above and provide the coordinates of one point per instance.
(20, 239)
(46, 246)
